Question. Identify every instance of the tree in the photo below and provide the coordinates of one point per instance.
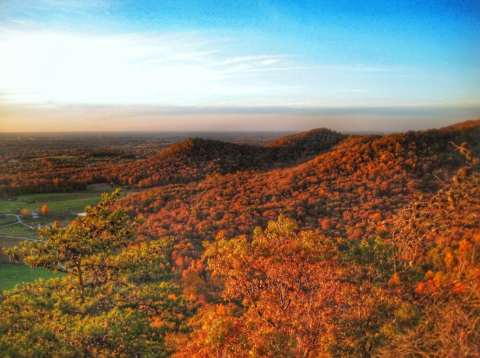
(113, 300)
(291, 293)
(45, 209)
(283, 283)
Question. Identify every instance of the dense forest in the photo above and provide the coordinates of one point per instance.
(68, 162)
(318, 244)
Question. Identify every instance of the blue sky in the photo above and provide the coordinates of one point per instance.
(246, 65)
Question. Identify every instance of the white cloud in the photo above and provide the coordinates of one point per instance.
(66, 67)
(241, 59)
(183, 69)
(268, 62)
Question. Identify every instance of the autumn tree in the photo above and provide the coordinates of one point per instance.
(284, 284)
(114, 299)
(45, 209)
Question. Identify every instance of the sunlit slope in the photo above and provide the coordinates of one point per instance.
(195, 158)
(345, 192)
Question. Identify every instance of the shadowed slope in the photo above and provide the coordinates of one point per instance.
(195, 158)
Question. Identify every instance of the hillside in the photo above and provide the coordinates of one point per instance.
(308, 143)
(195, 158)
(190, 160)
(384, 274)
(337, 193)
(368, 249)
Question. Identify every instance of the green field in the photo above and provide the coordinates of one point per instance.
(18, 230)
(63, 208)
(13, 274)
(55, 201)
(8, 220)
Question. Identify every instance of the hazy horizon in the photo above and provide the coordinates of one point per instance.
(103, 65)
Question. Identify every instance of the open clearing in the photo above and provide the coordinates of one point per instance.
(57, 201)
(8, 220)
(17, 230)
(13, 274)
(63, 208)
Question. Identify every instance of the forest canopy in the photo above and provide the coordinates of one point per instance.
(368, 248)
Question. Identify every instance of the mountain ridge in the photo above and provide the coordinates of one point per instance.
(195, 159)
(370, 174)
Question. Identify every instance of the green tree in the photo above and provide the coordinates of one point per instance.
(114, 299)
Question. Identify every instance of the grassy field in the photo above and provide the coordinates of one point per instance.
(57, 201)
(8, 220)
(63, 208)
(13, 274)
(17, 230)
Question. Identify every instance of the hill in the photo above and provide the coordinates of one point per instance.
(195, 158)
(337, 192)
(190, 160)
(368, 249)
(310, 142)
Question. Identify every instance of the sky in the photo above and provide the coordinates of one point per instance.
(372, 65)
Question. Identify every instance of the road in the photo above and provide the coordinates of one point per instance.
(18, 222)
(19, 238)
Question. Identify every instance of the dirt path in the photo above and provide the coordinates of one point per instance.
(19, 221)
(18, 238)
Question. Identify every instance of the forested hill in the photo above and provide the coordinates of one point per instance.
(361, 180)
(395, 217)
(472, 124)
(194, 159)
(309, 143)
(187, 161)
